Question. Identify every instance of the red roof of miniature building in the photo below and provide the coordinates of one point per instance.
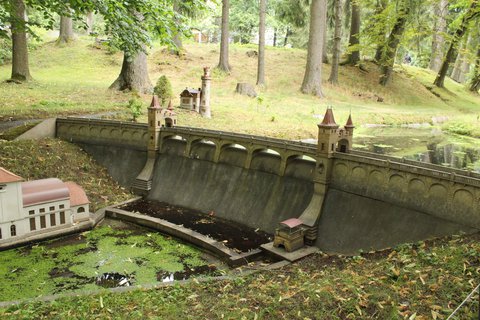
(349, 123)
(77, 194)
(170, 105)
(292, 223)
(155, 103)
(42, 191)
(7, 176)
(328, 119)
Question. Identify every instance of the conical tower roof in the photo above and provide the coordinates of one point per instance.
(328, 120)
(349, 123)
(155, 103)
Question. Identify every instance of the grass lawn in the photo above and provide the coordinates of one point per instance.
(74, 80)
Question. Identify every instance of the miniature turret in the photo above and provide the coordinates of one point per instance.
(205, 99)
(327, 134)
(348, 135)
(154, 124)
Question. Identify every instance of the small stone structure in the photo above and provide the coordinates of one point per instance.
(39, 209)
(290, 235)
(198, 100)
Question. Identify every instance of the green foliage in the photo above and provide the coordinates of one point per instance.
(243, 19)
(135, 107)
(163, 89)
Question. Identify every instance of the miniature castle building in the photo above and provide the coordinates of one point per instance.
(190, 99)
(331, 138)
(158, 117)
(38, 207)
(198, 99)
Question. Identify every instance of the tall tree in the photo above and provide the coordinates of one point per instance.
(471, 13)
(325, 32)
(475, 82)
(462, 63)
(438, 39)
(66, 30)
(177, 40)
(261, 43)
(353, 56)
(312, 80)
(20, 66)
(134, 74)
(89, 22)
(223, 63)
(337, 39)
(379, 8)
(387, 60)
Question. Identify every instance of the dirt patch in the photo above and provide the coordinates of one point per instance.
(235, 236)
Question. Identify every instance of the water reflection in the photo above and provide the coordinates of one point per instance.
(426, 145)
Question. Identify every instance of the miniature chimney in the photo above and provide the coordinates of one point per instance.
(205, 98)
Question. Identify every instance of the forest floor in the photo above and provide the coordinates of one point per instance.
(74, 80)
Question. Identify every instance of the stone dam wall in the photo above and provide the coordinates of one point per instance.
(369, 202)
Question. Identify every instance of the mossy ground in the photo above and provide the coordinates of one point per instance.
(426, 280)
(72, 263)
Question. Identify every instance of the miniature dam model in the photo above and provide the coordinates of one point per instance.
(347, 200)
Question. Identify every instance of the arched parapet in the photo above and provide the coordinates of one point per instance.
(201, 149)
(172, 144)
(300, 166)
(233, 154)
(267, 160)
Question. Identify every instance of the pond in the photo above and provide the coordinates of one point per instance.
(426, 144)
(113, 254)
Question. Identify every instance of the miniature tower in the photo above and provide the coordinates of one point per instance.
(349, 132)
(154, 124)
(205, 100)
(327, 134)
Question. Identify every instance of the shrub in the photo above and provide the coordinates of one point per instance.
(163, 89)
(135, 106)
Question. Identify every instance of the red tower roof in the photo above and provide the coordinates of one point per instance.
(155, 103)
(349, 123)
(170, 105)
(328, 120)
(7, 176)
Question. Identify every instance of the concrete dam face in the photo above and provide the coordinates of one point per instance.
(347, 200)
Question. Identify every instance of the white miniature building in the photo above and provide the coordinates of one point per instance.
(38, 209)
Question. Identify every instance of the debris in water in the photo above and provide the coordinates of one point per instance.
(112, 280)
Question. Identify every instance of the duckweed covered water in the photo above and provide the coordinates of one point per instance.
(73, 263)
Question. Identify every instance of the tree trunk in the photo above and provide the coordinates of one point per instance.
(475, 82)
(20, 66)
(462, 65)
(275, 37)
(440, 28)
(177, 39)
(469, 15)
(66, 30)
(325, 37)
(134, 74)
(353, 57)
(390, 51)
(337, 39)
(223, 64)
(89, 22)
(287, 33)
(312, 81)
(261, 44)
(381, 5)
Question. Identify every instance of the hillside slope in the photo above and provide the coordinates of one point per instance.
(74, 79)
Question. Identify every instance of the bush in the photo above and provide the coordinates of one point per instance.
(163, 89)
(135, 106)
(5, 50)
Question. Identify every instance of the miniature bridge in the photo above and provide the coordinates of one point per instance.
(349, 201)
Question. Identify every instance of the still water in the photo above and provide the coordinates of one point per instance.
(429, 145)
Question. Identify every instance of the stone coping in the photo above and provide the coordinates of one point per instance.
(232, 258)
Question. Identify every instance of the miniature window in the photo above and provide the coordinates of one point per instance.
(52, 220)
(52, 208)
(43, 222)
(323, 146)
(80, 210)
(42, 210)
(333, 146)
(31, 212)
(158, 123)
(3, 187)
(33, 227)
(13, 230)
(61, 206)
(0, 233)
(62, 217)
